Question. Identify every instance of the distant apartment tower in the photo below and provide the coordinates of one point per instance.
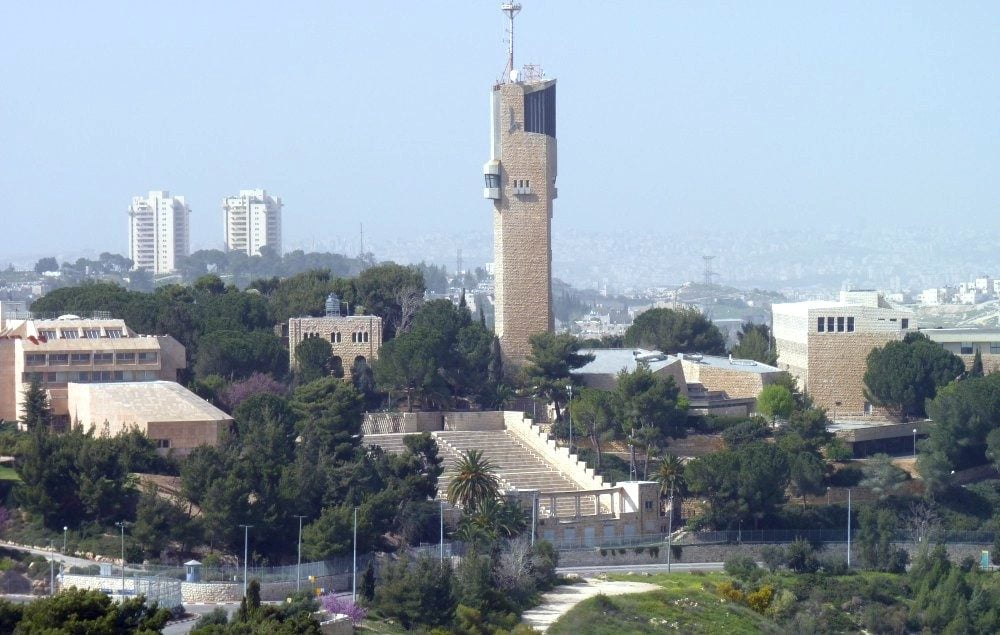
(825, 345)
(253, 220)
(158, 231)
(521, 181)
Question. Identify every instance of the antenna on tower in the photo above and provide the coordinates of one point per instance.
(708, 269)
(511, 9)
(458, 271)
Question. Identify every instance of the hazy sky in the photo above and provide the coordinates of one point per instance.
(670, 114)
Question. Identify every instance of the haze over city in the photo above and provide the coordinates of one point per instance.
(709, 119)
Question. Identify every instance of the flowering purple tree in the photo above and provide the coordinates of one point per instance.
(237, 392)
(335, 604)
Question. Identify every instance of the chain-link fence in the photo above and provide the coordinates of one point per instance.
(265, 574)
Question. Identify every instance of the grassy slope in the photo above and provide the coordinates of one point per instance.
(683, 605)
(8, 474)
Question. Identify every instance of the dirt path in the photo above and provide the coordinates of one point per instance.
(557, 602)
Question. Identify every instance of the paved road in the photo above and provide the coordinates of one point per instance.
(676, 567)
(72, 561)
(180, 628)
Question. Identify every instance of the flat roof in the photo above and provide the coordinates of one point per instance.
(734, 364)
(962, 334)
(151, 401)
(611, 361)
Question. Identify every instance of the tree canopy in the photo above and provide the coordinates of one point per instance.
(547, 372)
(755, 342)
(901, 376)
(676, 331)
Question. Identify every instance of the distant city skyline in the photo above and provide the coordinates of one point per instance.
(735, 116)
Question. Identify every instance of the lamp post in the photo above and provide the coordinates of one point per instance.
(914, 443)
(122, 525)
(848, 527)
(246, 542)
(354, 575)
(441, 538)
(670, 524)
(298, 566)
(65, 529)
(569, 411)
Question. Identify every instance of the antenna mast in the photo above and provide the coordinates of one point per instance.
(708, 269)
(511, 9)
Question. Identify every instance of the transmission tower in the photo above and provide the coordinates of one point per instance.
(708, 269)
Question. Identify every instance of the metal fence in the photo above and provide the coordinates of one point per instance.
(264, 574)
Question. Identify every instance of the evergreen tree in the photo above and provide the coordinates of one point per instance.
(977, 365)
(37, 410)
(368, 582)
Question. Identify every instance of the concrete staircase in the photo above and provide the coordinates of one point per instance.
(518, 467)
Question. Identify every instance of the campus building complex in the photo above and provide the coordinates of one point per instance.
(158, 231)
(253, 220)
(825, 345)
(521, 181)
(69, 350)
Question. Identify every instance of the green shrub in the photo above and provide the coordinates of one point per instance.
(654, 552)
(638, 550)
(773, 557)
(604, 552)
(676, 551)
(742, 567)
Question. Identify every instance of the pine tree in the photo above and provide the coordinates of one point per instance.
(37, 410)
(977, 365)
(368, 582)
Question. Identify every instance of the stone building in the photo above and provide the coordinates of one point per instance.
(965, 342)
(72, 349)
(825, 345)
(521, 181)
(176, 419)
(353, 338)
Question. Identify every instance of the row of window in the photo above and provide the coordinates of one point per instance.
(63, 359)
(357, 337)
(846, 324)
(967, 348)
(87, 377)
(74, 333)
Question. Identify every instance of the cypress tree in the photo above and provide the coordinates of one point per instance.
(37, 410)
(977, 365)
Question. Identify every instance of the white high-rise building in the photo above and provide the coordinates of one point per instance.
(253, 220)
(158, 231)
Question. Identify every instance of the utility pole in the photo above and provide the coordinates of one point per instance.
(442, 532)
(670, 523)
(848, 528)
(534, 516)
(354, 576)
(298, 566)
(122, 525)
(246, 542)
(569, 412)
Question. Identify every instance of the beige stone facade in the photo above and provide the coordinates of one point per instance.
(965, 342)
(71, 349)
(351, 337)
(521, 181)
(825, 346)
(738, 378)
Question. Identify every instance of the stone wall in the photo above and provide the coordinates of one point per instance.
(213, 592)
(737, 382)
(837, 364)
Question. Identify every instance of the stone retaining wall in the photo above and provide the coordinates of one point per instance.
(213, 592)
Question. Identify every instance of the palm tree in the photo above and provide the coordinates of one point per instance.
(475, 482)
(670, 474)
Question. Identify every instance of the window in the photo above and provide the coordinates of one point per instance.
(51, 377)
(966, 348)
(904, 323)
(104, 358)
(335, 337)
(117, 375)
(994, 347)
(28, 377)
(840, 325)
(92, 334)
(492, 180)
(649, 505)
(114, 333)
(819, 324)
(83, 377)
(147, 357)
(49, 335)
(104, 375)
(70, 334)
(125, 358)
(365, 335)
(850, 325)
(162, 444)
(58, 359)
(79, 358)
(829, 324)
(34, 359)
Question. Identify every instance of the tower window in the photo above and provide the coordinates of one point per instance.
(492, 180)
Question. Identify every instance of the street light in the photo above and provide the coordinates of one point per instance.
(848, 527)
(354, 575)
(914, 443)
(569, 411)
(246, 541)
(65, 529)
(670, 524)
(298, 566)
(122, 525)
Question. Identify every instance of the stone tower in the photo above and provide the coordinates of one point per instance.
(521, 182)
